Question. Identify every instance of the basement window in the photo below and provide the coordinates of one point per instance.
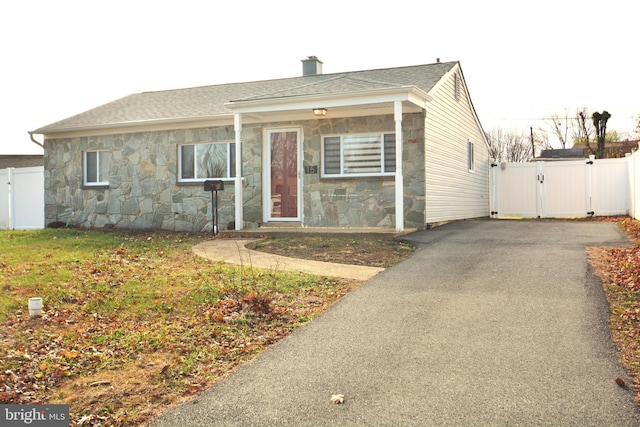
(96, 166)
(199, 162)
(359, 155)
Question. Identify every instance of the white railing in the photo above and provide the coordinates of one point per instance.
(22, 198)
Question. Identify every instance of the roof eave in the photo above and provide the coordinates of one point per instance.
(411, 94)
(138, 125)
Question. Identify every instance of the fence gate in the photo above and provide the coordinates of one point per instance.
(22, 198)
(563, 189)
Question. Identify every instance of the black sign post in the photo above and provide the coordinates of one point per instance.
(214, 186)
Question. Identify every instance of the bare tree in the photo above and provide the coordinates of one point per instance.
(584, 131)
(600, 123)
(560, 127)
(514, 146)
(587, 128)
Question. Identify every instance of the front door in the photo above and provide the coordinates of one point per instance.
(284, 182)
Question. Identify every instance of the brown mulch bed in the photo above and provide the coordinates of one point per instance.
(342, 250)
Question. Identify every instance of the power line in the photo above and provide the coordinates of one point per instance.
(512, 119)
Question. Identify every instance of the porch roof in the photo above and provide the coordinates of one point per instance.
(171, 108)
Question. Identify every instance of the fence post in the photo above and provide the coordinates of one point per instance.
(10, 200)
(493, 205)
(540, 189)
(633, 183)
(590, 176)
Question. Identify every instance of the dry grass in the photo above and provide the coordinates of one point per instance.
(134, 323)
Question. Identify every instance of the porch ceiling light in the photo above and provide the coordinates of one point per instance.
(319, 111)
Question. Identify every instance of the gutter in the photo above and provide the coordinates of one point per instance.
(34, 141)
(132, 125)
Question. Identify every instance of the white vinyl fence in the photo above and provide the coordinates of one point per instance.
(565, 189)
(634, 184)
(22, 198)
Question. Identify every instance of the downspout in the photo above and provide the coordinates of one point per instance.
(34, 141)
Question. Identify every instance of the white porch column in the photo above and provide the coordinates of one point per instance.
(397, 116)
(237, 127)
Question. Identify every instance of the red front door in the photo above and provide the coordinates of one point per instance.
(284, 185)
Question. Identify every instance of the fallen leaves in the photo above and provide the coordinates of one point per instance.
(137, 324)
(70, 354)
(99, 383)
(619, 269)
(337, 399)
(346, 250)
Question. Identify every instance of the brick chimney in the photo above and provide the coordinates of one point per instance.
(311, 66)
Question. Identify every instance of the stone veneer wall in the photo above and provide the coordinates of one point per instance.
(143, 191)
(364, 201)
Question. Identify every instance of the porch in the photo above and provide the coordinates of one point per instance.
(296, 229)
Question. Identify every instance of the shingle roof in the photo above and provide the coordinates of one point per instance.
(21, 160)
(208, 101)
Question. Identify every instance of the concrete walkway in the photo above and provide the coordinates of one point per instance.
(234, 251)
(489, 323)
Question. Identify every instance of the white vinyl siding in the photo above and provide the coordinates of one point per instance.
(456, 86)
(452, 192)
(358, 155)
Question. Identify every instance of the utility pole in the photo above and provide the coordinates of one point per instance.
(533, 146)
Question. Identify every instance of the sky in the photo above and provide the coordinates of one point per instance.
(523, 61)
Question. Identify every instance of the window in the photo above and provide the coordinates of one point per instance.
(470, 156)
(96, 168)
(199, 162)
(456, 86)
(359, 155)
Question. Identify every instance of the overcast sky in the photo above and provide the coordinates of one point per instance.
(523, 61)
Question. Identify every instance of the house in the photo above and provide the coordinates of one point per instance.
(562, 154)
(385, 148)
(21, 160)
(612, 150)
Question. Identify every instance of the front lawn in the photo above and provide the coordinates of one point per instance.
(134, 322)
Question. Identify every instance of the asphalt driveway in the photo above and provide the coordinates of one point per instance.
(488, 323)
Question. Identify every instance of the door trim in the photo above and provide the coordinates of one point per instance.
(266, 176)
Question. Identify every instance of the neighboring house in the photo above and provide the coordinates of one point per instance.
(393, 148)
(612, 150)
(21, 160)
(562, 154)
